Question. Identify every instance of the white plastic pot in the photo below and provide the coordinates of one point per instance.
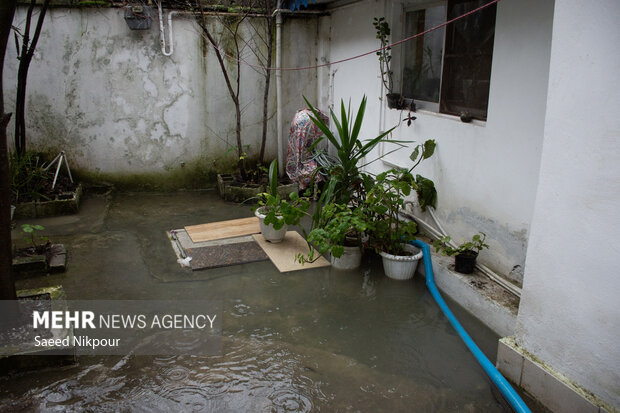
(349, 260)
(268, 232)
(401, 267)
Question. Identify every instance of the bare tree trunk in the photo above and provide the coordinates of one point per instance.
(242, 155)
(7, 284)
(25, 57)
(234, 92)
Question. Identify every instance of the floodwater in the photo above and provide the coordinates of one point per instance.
(312, 340)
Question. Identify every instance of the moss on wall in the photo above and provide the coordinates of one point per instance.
(71, 3)
(192, 175)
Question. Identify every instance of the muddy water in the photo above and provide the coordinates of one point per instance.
(316, 340)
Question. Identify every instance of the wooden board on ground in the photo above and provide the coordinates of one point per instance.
(223, 229)
(283, 254)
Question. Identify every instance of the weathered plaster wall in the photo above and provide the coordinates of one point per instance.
(486, 173)
(569, 315)
(119, 107)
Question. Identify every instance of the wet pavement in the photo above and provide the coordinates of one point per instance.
(313, 340)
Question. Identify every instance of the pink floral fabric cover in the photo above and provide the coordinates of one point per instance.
(303, 133)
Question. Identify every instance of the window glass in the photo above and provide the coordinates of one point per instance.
(467, 61)
(423, 55)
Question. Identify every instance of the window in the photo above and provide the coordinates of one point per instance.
(423, 55)
(449, 69)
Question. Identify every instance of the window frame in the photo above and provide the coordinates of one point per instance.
(399, 17)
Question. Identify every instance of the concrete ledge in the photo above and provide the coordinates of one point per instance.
(26, 356)
(485, 299)
(549, 387)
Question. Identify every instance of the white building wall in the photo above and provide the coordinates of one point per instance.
(486, 173)
(570, 314)
(110, 98)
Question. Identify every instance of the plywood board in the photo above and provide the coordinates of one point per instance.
(283, 254)
(223, 229)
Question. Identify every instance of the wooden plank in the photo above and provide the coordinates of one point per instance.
(223, 229)
(283, 254)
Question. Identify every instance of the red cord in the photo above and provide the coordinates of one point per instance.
(363, 54)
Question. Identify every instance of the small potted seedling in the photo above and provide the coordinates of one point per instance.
(394, 100)
(465, 254)
(39, 243)
(274, 212)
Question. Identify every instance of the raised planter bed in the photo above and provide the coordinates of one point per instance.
(231, 190)
(63, 204)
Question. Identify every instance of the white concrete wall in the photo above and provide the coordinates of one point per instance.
(570, 314)
(486, 173)
(107, 95)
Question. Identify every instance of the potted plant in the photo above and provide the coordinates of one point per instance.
(346, 183)
(275, 213)
(390, 236)
(394, 100)
(341, 232)
(465, 254)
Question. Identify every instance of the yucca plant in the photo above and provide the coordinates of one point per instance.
(346, 183)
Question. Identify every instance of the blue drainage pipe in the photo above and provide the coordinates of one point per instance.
(502, 384)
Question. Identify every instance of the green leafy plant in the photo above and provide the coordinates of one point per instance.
(472, 247)
(425, 188)
(339, 226)
(385, 53)
(28, 178)
(387, 198)
(279, 211)
(346, 184)
(31, 234)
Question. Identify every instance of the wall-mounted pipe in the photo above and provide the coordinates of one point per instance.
(279, 107)
(162, 35)
(442, 233)
(496, 377)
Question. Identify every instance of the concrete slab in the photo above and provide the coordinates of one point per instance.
(26, 355)
(483, 298)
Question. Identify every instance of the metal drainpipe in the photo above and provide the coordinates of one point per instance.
(279, 91)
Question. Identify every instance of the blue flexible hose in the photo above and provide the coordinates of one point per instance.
(502, 384)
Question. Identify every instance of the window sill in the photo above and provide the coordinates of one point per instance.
(474, 122)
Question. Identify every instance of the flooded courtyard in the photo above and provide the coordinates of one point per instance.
(312, 340)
